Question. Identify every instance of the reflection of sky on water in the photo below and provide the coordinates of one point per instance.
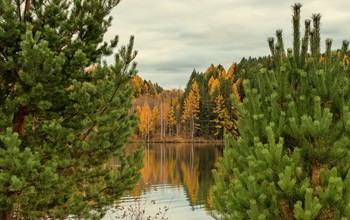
(165, 195)
(177, 176)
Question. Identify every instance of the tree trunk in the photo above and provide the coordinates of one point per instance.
(18, 126)
(316, 173)
(192, 128)
(26, 8)
(18, 119)
(287, 211)
(7, 215)
(161, 121)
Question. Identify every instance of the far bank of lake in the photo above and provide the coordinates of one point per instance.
(178, 139)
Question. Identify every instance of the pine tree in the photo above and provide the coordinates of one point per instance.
(59, 123)
(291, 159)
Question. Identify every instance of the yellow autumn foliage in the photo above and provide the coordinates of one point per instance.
(231, 70)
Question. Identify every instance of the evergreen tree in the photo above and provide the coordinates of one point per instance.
(291, 159)
(188, 87)
(204, 105)
(60, 124)
(246, 69)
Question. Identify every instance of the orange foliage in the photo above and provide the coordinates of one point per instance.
(213, 84)
(137, 84)
(191, 176)
(223, 122)
(171, 121)
(211, 68)
(145, 121)
(346, 60)
(222, 72)
(235, 90)
(191, 108)
(91, 69)
(164, 111)
(231, 70)
(160, 106)
(165, 108)
(155, 118)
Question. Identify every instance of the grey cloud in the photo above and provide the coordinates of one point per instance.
(173, 37)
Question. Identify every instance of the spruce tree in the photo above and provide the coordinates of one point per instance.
(60, 123)
(291, 158)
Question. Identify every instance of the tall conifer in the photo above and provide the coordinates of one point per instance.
(291, 158)
(61, 124)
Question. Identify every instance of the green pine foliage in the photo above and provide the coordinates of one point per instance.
(247, 68)
(291, 158)
(61, 124)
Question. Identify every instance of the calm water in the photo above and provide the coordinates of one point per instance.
(176, 180)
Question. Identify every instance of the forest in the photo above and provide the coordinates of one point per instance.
(64, 113)
(203, 111)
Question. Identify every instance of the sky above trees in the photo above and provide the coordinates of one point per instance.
(174, 37)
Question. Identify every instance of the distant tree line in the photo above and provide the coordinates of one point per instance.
(204, 109)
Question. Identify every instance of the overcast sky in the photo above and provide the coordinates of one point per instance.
(173, 37)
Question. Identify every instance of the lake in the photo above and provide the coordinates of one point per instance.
(175, 183)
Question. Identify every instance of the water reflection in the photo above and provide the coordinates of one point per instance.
(179, 175)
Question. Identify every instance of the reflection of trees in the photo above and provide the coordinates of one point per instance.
(207, 163)
(209, 200)
(180, 164)
(190, 173)
(160, 166)
(137, 191)
(190, 181)
(174, 176)
(147, 170)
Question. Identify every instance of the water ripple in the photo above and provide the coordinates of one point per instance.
(162, 199)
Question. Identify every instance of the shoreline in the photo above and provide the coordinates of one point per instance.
(176, 140)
